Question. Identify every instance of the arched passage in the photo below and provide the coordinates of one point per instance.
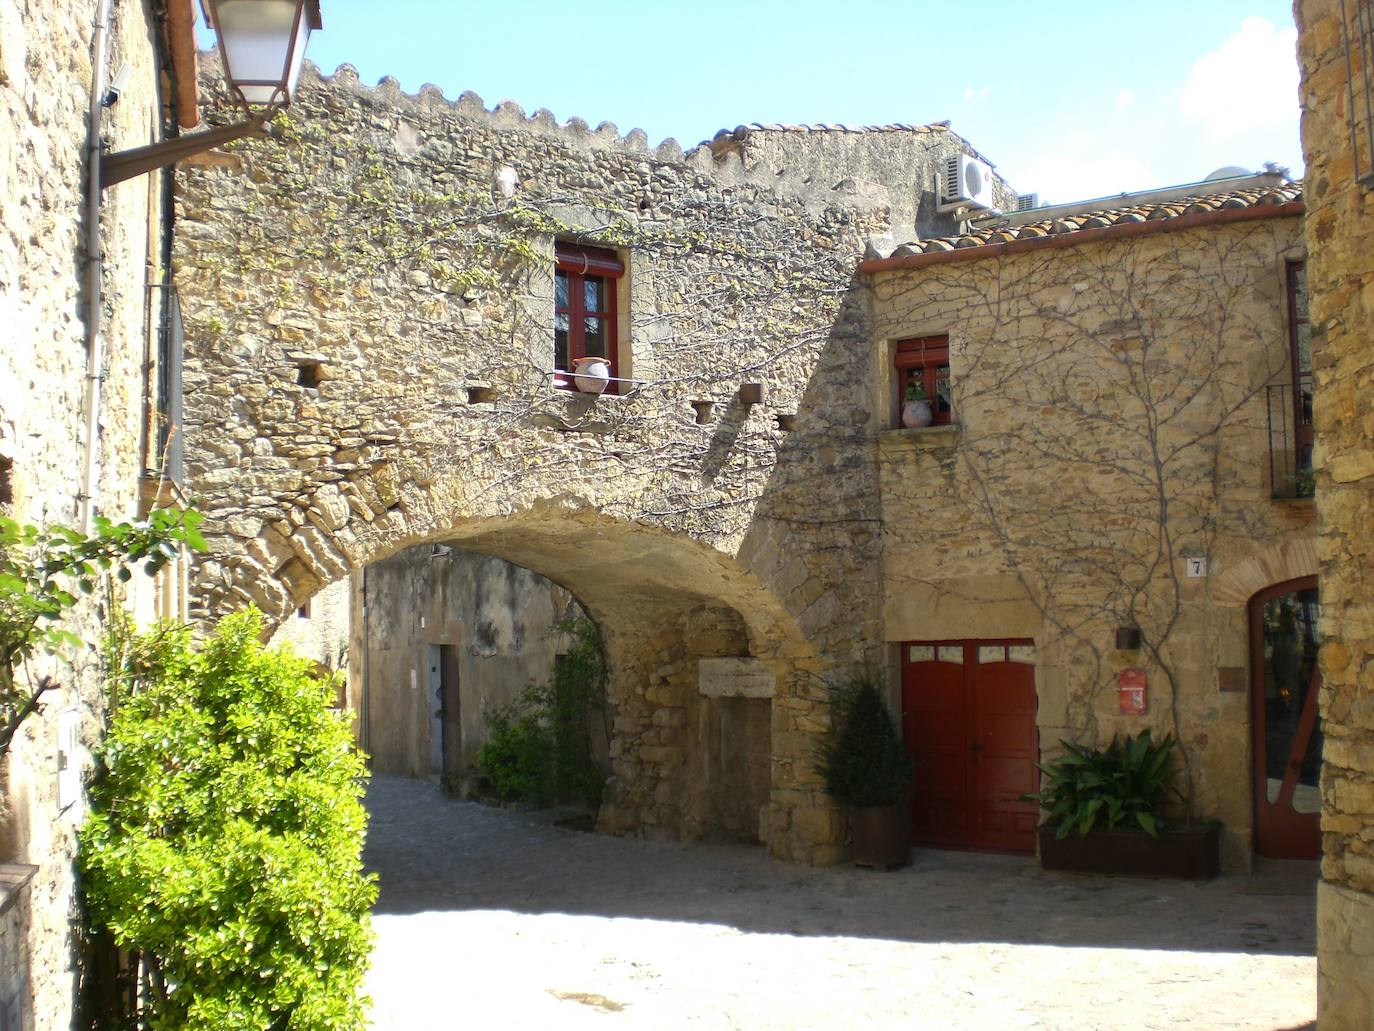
(695, 643)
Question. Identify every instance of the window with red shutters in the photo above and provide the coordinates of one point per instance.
(584, 287)
(924, 361)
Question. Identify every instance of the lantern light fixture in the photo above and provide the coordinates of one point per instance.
(262, 47)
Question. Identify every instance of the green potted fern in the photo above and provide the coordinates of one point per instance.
(866, 770)
(1103, 813)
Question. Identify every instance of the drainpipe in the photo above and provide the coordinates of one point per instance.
(95, 343)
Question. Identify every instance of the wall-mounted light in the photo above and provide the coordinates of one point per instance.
(262, 44)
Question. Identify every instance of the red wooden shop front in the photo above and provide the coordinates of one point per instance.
(968, 720)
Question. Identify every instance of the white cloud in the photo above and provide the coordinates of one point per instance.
(1082, 173)
(1249, 82)
(1125, 99)
(972, 94)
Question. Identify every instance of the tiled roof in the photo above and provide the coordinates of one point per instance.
(1106, 218)
(775, 127)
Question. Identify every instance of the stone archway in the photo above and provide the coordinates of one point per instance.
(1278, 563)
(671, 609)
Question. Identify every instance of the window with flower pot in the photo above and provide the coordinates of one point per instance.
(585, 282)
(922, 367)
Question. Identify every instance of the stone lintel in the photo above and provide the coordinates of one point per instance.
(735, 678)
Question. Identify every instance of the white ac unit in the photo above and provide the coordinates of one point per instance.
(967, 184)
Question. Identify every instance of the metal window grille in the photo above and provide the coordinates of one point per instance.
(1357, 27)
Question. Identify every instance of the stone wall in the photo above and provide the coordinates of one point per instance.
(502, 622)
(907, 161)
(370, 308)
(1340, 236)
(1109, 422)
(45, 76)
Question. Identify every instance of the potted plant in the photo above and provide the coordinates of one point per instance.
(916, 411)
(866, 770)
(1103, 813)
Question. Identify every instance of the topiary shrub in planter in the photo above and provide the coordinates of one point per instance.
(1103, 813)
(223, 849)
(866, 770)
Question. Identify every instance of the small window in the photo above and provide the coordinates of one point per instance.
(923, 374)
(584, 306)
(304, 611)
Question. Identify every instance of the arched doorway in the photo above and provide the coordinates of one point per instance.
(1285, 680)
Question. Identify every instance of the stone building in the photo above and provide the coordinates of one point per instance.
(1103, 456)
(740, 514)
(1335, 50)
(398, 383)
(84, 331)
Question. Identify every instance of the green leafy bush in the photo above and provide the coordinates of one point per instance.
(224, 842)
(517, 757)
(1124, 783)
(862, 760)
(42, 574)
(540, 746)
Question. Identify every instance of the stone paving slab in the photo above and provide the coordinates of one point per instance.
(492, 918)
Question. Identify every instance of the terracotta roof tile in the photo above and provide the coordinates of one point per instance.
(1254, 197)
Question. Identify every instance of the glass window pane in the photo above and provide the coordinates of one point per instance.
(991, 653)
(1021, 653)
(560, 344)
(594, 337)
(921, 653)
(952, 653)
(942, 392)
(1291, 744)
(592, 290)
(560, 289)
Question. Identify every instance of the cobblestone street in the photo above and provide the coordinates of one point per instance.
(489, 918)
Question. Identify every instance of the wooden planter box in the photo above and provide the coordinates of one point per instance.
(1192, 853)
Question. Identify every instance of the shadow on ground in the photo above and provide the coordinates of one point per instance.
(436, 854)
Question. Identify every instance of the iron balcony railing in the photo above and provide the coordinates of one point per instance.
(1290, 439)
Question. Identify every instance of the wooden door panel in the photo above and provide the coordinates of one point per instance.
(970, 730)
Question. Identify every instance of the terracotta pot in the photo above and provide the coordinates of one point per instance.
(882, 836)
(916, 414)
(591, 375)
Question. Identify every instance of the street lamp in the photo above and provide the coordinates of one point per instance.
(262, 44)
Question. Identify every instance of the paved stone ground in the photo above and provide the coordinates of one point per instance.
(489, 918)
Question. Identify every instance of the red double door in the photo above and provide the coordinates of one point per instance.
(968, 719)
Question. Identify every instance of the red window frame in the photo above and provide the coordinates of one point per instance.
(925, 360)
(575, 268)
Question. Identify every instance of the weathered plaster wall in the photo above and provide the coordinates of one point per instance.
(45, 74)
(1110, 422)
(320, 630)
(503, 621)
(426, 232)
(907, 161)
(1340, 236)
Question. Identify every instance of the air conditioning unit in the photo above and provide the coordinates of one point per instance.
(1027, 201)
(967, 184)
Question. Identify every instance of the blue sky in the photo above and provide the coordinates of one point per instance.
(1068, 98)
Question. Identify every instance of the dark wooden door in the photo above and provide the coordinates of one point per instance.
(450, 709)
(1286, 733)
(968, 720)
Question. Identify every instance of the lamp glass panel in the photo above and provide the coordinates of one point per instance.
(257, 44)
